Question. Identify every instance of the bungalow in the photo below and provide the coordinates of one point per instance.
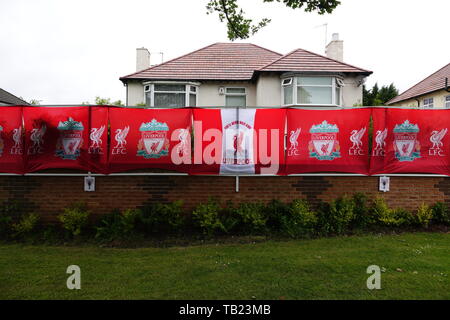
(432, 92)
(246, 75)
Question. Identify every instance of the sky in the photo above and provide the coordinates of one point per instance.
(69, 52)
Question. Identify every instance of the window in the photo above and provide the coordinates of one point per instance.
(287, 91)
(428, 103)
(447, 102)
(235, 97)
(312, 90)
(170, 95)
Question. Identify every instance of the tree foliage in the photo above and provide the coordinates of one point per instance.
(379, 96)
(105, 102)
(241, 27)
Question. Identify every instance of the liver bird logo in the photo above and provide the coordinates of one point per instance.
(237, 142)
(17, 137)
(324, 148)
(37, 136)
(293, 139)
(96, 135)
(121, 135)
(436, 138)
(183, 138)
(356, 137)
(380, 139)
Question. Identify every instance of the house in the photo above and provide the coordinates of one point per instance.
(432, 92)
(8, 99)
(246, 75)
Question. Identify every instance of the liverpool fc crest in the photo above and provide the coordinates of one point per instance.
(406, 145)
(154, 142)
(70, 139)
(324, 144)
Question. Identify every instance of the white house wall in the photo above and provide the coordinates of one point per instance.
(265, 93)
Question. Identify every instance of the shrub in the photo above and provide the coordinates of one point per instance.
(74, 218)
(336, 217)
(299, 220)
(390, 217)
(252, 216)
(117, 225)
(9, 212)
(274, 212)
(162, 217)
(423, 215)
(207, 217)
(441, 213)
(26, 225)
(363, 217)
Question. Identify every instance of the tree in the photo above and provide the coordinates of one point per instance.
(377, 96)
(105, 101)
(240, 27)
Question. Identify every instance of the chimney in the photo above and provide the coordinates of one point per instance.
(142, 59)
(335, 49)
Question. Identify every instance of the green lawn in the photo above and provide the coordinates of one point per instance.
(417, 266)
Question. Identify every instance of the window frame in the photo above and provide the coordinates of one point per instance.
(244, 94)
(149, 86)
(335, 79)
(428, 103)
(447, 102)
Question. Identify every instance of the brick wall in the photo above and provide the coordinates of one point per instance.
(49, 195)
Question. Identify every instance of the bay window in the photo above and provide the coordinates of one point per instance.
(170, 95)
(312, 90)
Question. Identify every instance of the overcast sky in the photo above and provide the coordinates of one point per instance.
(67, 52)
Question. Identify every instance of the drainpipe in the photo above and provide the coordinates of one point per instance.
(418, 103)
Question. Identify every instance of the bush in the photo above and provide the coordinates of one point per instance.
(299, 220)
(117, 225)
(207, 217)
(363, 216)
(75, 218)
(390, 217)
(26, 225)
(441, 213)
(162, 217)
(275, 210)
(9, 212)
(423, 215)
(252, 216)
(336, 217)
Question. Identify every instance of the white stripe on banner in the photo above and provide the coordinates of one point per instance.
(237, 141)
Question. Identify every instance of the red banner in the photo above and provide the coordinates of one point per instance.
(238, 141)
(417, 141)
(11, 140)
(56, 138)
(327, 141)
(149, 138)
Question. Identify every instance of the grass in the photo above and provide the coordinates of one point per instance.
(416, 267)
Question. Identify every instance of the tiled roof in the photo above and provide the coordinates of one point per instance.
(219, 61)
(302, 61)
(434, 82)
(9, 98)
